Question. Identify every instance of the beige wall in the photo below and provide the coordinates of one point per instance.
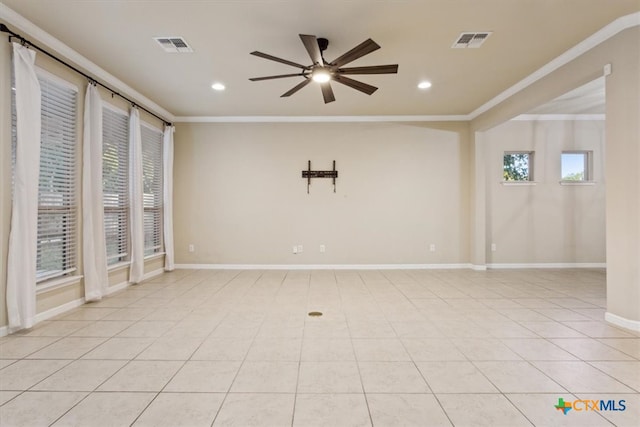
(54, 298)
(622, 131)
(546, 222)
(623, 178)
(240, 198)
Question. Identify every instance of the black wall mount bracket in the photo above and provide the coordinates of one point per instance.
(333, 174)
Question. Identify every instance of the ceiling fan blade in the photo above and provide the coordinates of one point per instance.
(361, 50)
(327, 93)
(362, 87)
(296, 88)
(276, 59)
(311, 44)
(280, 76)
(374, 69)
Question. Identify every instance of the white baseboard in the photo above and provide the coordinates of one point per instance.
(383, 266)
(322, 266)
(549, 265)
(115, 288)
(4, 331)
(633, 325)
(152, 274)
(124, 285)
(58, 310)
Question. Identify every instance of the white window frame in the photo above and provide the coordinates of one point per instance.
(152, 202)
(588, 167)
(122, 230)
(530, 164)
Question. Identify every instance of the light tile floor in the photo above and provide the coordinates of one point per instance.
(393, 348)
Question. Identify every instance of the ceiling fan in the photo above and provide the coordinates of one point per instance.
(324, 72)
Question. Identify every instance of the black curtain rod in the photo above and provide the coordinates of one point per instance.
(24, 41)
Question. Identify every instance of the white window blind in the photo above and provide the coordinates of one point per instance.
(57, 204)
(115, 183)
(152, 188)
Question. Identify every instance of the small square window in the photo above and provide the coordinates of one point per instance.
(517, 166)
(576, 166)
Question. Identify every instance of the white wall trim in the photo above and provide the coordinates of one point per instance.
(58, 283)
(318, 119)
(124, 285)
(633, 325)
(385, 266)
(45, 315)
(322, 266)
(116, 288)
(561, 117)
(19, 22)
(152, 274)
(548, 265)
(33, 31)
(605, 33)
(58, 310)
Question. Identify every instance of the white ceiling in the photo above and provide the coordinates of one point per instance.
(118, 36)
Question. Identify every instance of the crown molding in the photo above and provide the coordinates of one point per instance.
(318, 119)
(605, 33)
(608, 31)
(32, 30)
(560, 117)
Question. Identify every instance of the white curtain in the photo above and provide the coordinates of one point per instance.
(168, 197)
(21, 262)
(136, 271)
(94, 251)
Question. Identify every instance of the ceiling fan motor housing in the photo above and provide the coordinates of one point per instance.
(323, 44)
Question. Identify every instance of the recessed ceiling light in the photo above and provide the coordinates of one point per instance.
(217, 86)
(424, 85)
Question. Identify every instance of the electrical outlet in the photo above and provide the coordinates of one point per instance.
(322, 249)
(192, 248)
(300, 249)
(493, 247)
(295, 249)
(432, 247)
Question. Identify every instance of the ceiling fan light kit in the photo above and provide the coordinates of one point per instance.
(323, 72)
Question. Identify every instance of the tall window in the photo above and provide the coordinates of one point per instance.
(152, 188)
(57, 204)
(517, 166)
(115, 183)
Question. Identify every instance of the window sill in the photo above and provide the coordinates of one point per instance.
(518, 183)
(53, 284)
(118, 266)
(154, 256)
(577, 183)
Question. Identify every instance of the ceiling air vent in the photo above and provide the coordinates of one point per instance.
(173, 44)
(471, 40)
